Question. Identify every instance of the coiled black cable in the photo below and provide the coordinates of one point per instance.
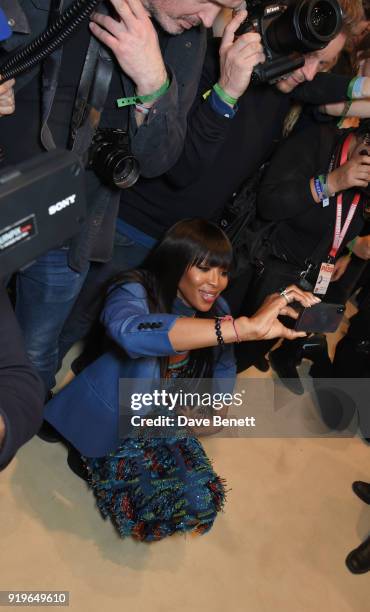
(48, 41)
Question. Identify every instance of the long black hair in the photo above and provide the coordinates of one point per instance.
(188, 243)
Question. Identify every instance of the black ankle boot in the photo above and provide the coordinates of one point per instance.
(362, 490)
(47, 432)
(284, 362)
(76, 464)
(358, 560)
(289, 355)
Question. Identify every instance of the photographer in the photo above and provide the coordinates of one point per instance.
(312, 225)
(225, 145)
(21, 391)
(157, 62)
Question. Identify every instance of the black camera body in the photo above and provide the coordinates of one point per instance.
(289, 29)
(111, 159)
(42, 205)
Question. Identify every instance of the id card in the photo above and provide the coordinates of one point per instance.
(324, 278)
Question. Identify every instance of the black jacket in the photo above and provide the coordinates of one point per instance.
(304, 227)
(21, 391)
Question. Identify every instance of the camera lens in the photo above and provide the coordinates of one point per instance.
(322, 20)
(306, 26)
(111, 158)
(317, 22)
(125, 171)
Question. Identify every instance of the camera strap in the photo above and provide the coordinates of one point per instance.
(50, 71)
(91, 96)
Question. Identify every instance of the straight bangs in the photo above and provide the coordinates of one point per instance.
(221, 258)
(209, 246)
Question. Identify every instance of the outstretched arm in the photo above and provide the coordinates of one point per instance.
(141, 334)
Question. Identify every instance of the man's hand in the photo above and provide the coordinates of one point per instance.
(340, 267)
(2, 431)
(354, 173)
(361, 248)
(134, 41)
(7, 103)
(238, 57)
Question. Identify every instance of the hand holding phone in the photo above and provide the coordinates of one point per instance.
(321, 318)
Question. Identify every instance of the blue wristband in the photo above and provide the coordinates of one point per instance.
(220, 107)
(357, 88)
(319, 189)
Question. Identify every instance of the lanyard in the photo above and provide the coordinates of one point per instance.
(339, 231)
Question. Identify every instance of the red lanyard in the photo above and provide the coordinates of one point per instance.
(339, 231)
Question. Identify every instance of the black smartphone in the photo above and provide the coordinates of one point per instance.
(321, 318)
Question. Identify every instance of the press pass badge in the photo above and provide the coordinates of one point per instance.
(324, 278)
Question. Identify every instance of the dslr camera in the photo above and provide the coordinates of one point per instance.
(111, 159)
(289, 29)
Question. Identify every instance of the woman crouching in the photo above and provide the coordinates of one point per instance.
(166, 320)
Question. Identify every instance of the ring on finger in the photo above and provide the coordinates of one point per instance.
(285, 294)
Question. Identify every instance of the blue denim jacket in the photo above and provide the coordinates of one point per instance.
(86, 412)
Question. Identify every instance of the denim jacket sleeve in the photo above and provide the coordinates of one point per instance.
(224, 369)
(128, 322)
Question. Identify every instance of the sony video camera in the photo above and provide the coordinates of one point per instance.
(42, 205)
(288, 30)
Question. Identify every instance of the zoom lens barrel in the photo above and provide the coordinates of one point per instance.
(112, 160)
(306, 26)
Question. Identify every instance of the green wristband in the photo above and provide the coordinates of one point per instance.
(121, 102)
(223, 95)
(350, 88)
(351, 244)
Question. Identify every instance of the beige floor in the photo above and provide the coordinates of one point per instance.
(289, 521)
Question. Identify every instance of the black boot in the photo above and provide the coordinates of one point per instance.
(76, 464)
(289, 355)
(47, 432)
(358, 560)
(284, 362)
(362, 490)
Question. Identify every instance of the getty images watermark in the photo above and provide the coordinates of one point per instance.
(199, 404)
(252, 407)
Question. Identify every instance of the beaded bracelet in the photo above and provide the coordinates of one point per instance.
(218, 321)
(218, 332)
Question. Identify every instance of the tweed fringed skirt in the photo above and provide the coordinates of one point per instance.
(152, 488)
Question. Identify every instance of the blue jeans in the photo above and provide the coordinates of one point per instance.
(127, 254)
(46, 292)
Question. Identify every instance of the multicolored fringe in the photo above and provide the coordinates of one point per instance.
(153, 488)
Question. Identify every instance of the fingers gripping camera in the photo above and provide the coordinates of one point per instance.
(290, 30)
